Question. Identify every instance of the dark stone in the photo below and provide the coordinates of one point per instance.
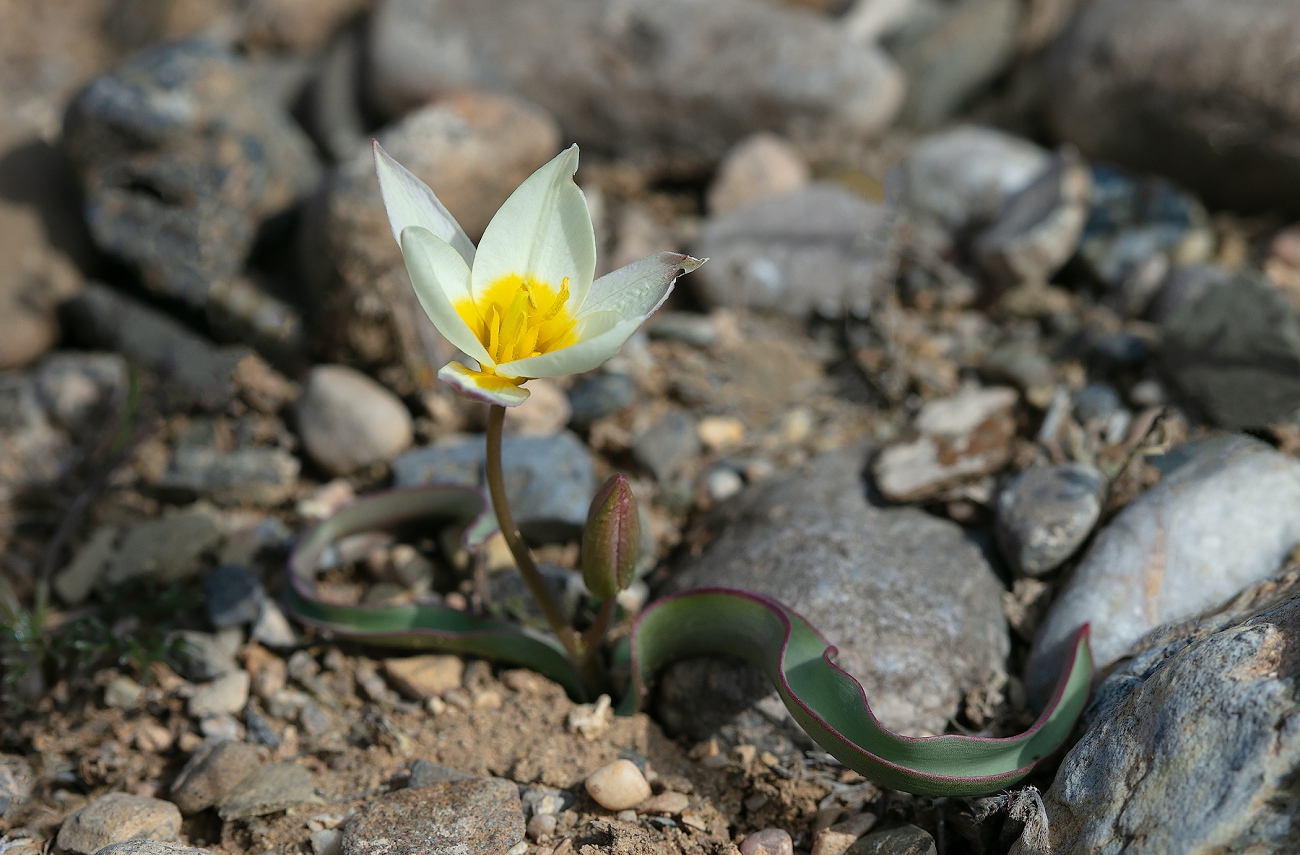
(668, 445)
(234, 595)
(1235, 352)
(597, 395)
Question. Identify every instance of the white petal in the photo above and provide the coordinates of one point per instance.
(488, 388)
(600, 336)
(544, 231)
(640, 288)
(441, 280)
(410, 202)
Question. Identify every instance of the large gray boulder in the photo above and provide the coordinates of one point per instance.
(1199, 90)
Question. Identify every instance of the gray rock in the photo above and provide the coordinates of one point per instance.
(475, 816)
(549, 479)
(270, 789)
(78, 390)
(272, 628)
(597, 395)
(202, 372)
(558, 54)
(473, 148)
(911, 602)
(122, 693)
(1130, 83)
(668, 445)
(117, 817)
(260, 477)
(1135, 223)
(900, 840)
(214, 768)
(201, 655)
(426, 773)
(1200, 726)
(16, 782)
(510, 594)
(1096, 402)
(151, 847)
(821, 249)
(960, 179)
(225, 695)
(950, 51)
(1046, 513)
(182, 157)
(756, 168)
(1039, 227)
(32, 450)
(1235, 352)
(75, 581)
(168, 548)
(1225, 519)
(348, 421)
(234, 595)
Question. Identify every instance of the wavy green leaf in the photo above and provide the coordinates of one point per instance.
(828, 703)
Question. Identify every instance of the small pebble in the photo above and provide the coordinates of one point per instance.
(769, 841)
(153, 737)
(720, 433)
(213, 770)
(541, 826)
(618, 786)
(722, 484)
(422, 677)
(122, 693)
(666, 802)
(327, 841)
(226, 694)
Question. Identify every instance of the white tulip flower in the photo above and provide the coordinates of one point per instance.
(524, 304)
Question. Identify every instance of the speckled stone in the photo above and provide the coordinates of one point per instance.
(475, 816)
(116, 817)
(151, 847)
(213, 770)
(1045, 514)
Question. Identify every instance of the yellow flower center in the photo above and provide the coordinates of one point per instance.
(517, 317)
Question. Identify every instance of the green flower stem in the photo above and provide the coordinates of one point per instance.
(596, 633)
(527, 567)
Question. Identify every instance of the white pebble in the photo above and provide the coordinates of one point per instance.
(327, 841)
(618, 786)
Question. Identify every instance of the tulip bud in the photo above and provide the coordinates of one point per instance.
(611, 542)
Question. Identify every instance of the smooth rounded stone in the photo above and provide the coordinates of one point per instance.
(214, 768)
(1235, 351)
(272, 628)
(234, 596)
(949, 52)
(1046, 513)
(756, 168)
(818, 250)
(168, 548)
(79, 389)
(327, 841)
(769, 841)
(422, 677)
(475, 816)
(900, 840)
(1096, 402)
(260, 477)
(226, 695)
(556, 53)
(473, 148)
(1039, 227)
(1226, 517)
(618, 786)
(667, 802)
(961, 178)
(667, 445)
(151, 847)
(1200, 726)
(425, 773)
(122, 693)
(182, 156)
(908, 599)
(201, 655)
(1132, 83)
(16, 782)
(348, 421)
(268, 790)
(549, 479)
(597, 395)
(117, 817)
